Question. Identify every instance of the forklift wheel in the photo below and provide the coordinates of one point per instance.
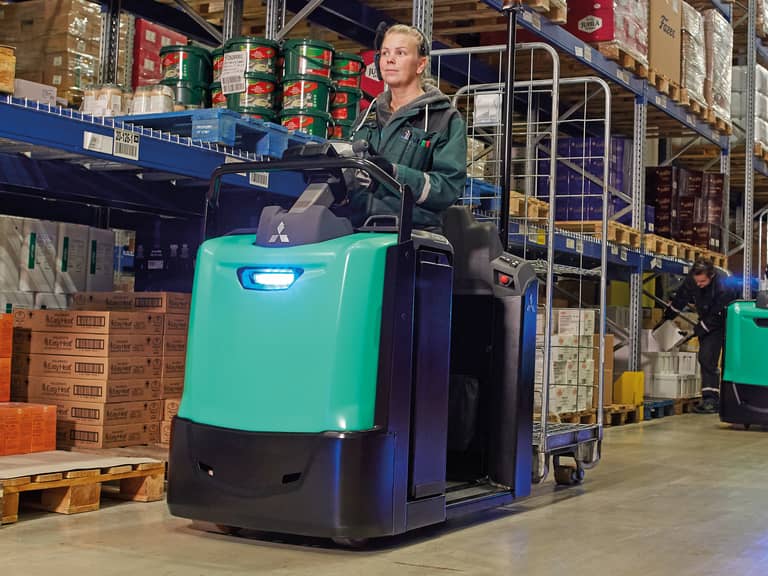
(569, 475)
(229, 530)
(350, 542)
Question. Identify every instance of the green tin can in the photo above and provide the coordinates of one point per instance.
(342, 129)
(345, 103)
(307, 58)
(260, 91)
(314, 122)
(307, 92)
(262, 53)
(218, 98)
(217, 63)
(187, 94)
(347, 69)
(187, 64)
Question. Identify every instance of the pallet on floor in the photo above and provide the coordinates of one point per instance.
(658, 408)
(686, 405)
(660, 245)
(555, 10)
(615, 51)
(523, 206)
(620, 414)
(79, 489)
(618, 233)
(664, 85)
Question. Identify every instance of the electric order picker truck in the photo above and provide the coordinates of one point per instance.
(350, 383)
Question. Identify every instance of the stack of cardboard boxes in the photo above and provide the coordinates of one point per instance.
(42, 263)
(24, 428)
(572, 360)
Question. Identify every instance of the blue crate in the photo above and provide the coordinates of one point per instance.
(482, 194)
(217, 125)
(658, 408)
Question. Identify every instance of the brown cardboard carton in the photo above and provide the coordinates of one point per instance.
(88, 367)
(172, 387)
(80, 344)
(103, 301)
(170, 408)
(176, 324)
(56, 389)
(665, 38)
(89, 322)
(154, 432)
(113, 414)
(173, 367)
(165, 433)
(6, 335)
(166, 302)
(651, 317)
(5, 379)
(175, 345)
(76, 434)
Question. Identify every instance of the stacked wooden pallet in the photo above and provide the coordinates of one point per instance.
(618, 233)
(522, 206)
(664, 85)
(555, 10)
(620, 414)
(615, 51)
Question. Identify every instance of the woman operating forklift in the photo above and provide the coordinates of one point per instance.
(413, 133)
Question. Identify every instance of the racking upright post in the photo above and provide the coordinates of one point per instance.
(422, 19)
(749, 180)
(275, 18)
(233, 19)
(110, 41)
(638, 222)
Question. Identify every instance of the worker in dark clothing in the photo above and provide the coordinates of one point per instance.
(709, 289)
(414, 134)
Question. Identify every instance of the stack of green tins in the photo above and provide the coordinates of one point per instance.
(347, 73)
(259, 100)
(306, 86)
(187, 70)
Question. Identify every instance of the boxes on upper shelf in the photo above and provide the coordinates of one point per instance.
(71, 258)
(664, 38)
(101, 249)
(38, 262)
(11, 242)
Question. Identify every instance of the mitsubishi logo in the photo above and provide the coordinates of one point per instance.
(283, 237)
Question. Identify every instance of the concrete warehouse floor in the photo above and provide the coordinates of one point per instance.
(681, 495)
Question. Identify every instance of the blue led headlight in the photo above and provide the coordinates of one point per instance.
(268, 278)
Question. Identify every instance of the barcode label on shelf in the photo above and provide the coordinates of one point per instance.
(570, 243)
(661, 101)
(233, 160)
(686, 269)
(587, 53)
(623, 76)
(691, 118)
(623, 255)
(614, 250)
(259, 179)
(126, 144)
(533, 18)
(580, 246)
(655, 263)
(579, 51)
(97, 142)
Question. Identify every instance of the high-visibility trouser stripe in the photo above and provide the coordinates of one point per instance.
(425, 190)
(711, 390)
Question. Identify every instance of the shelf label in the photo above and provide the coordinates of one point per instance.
(97, 142)
(260, 179)
(570, 243)
(580, 246)
(686, 269)
(233, 72)
(126, 144)
(533, 18)
(614, 250)
(655, 263)
(623, 76)
(623, 255)
(661, 101)
(233, 160)
(587, 53)
(691, 119)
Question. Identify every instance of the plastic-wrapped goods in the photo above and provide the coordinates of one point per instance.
(739, 100)
(152, 99)
(762, 18)
(623, 22)
(106, 100)
(694, 57)
(719, 43)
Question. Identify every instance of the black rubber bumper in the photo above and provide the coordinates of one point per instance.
(743, 404)
(325, 485)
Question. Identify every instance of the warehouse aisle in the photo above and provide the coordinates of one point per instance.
(681, 495)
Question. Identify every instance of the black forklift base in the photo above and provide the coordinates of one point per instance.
(330, 485)
(744, 404)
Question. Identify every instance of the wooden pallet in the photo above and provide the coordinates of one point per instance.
(555, 10)
(523, 206)
(685, 405)
(719, 123)
(620, 414)
(761, 151)
(581, 417)
(664, 85)
(718, 259)
(658, 408)
(696, 107)
(618, 233)
(660, 245)
(687, 251)
(614, 51)
(78, 491)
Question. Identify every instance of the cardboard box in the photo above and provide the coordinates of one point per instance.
(665, 38)
(54, 389)
(155, 302)
(89, 322)
(165, 433)
(574, 321)
(101, 250)
(11, 301)
(6, 335)
(170, 408)
(172, 387)
(38, 268)
(34, 91)
(112, 414)
(82, 344)
(176, 323)
(103, 301)
(7, 69)
(175, 345)
(71, 258)
(76, 434)
(26, 428)
(5, 379)
(173, 367)
(11, 242)
(49, 301)
(87, 367)
(651, 317)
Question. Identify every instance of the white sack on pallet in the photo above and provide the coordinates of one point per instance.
(694, 57)
(719, 43)
(762, 19)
